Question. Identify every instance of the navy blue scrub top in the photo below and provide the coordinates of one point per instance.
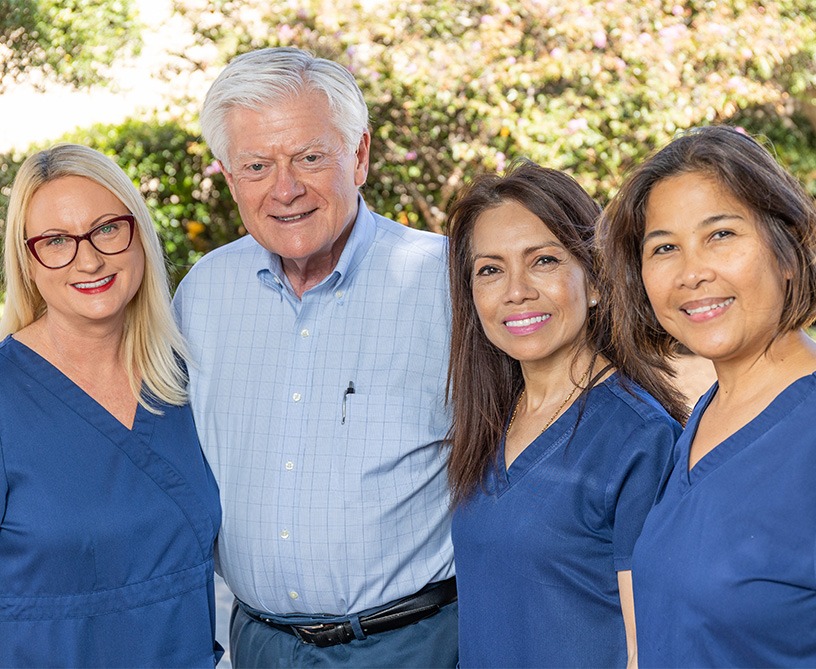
(537, 553)
(106, 534)
(725, 570)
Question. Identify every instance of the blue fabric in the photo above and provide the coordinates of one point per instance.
(537, 551)
(724, 571)
(426, 644)
(322, 515)
(106, 534)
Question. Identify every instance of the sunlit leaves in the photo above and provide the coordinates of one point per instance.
(73, 41)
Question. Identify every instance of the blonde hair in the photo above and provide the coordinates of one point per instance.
(152, 346)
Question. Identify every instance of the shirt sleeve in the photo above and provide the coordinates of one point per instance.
(177, 304)
(644, 461)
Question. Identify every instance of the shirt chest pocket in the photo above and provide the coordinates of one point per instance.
(385, 440)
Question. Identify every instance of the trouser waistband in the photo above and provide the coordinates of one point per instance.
(400, 613)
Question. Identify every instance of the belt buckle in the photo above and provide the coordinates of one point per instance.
(322, 635)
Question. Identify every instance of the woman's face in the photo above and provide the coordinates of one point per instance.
(530, 292)
(94, 287)
(710, 275)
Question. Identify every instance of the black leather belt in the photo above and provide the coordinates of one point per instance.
(403, 612)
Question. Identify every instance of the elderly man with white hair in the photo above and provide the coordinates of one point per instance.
(320, 349)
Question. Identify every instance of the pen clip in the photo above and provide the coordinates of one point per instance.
(348, 391)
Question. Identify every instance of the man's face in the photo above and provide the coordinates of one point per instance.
(294, 180)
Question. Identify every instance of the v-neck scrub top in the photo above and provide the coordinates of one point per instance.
(537, 552)
(106, 534)
(725, 570)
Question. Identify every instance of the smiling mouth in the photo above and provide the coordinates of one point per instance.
(709, 307)
(94, 284)
(296, 217)
(524, 322)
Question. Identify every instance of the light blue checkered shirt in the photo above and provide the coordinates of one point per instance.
(321, 515)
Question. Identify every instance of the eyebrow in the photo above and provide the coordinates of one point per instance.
(527, 251)
(105, 217)
(314, 145)
(711, 220)
(99, 220)
(248, 154)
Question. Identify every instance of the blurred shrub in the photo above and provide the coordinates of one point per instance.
(586, 86)
(185, 192)
(791, 138)
(456, 88)
(70, 40)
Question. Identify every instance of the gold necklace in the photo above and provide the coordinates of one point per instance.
(557, 411)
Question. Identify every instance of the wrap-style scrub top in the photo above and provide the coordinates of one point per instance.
(106, 533)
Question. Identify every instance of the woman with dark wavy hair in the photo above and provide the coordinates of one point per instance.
(558, 442)
(711, 244)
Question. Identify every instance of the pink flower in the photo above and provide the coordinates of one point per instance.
(576, 125)
(737, 85)
(213, 168)
(670, 35)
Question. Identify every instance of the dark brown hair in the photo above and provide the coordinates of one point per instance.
(783, 210)
(483, 381)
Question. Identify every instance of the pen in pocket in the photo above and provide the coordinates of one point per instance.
(348, 391)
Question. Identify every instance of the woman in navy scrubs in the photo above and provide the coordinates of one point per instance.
(713, 245)
(558, 443)
(108, 510)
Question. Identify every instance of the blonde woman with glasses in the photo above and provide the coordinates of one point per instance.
(108, 510)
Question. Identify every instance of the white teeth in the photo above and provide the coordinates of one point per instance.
(287, 219)
(526, 321)
(702, 310)
(94, 284)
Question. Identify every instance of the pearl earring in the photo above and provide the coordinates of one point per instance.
(593, 302)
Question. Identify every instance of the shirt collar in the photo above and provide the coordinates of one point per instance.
(270, 267)
(359, 241)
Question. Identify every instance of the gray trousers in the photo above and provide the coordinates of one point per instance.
(429, 643)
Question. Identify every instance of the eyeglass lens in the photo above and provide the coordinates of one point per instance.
(110, 238)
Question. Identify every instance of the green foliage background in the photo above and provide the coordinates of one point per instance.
(69, 40)
(457, 88)
(192, 210)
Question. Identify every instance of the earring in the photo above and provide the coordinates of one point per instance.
(593, 302)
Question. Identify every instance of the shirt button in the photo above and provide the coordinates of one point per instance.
(339, 294)
(289, 466)
(304, 333)
(284, 534)
(296, 397)
(293, 594)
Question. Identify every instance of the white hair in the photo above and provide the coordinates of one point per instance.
(265, 77)
(152, 346)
